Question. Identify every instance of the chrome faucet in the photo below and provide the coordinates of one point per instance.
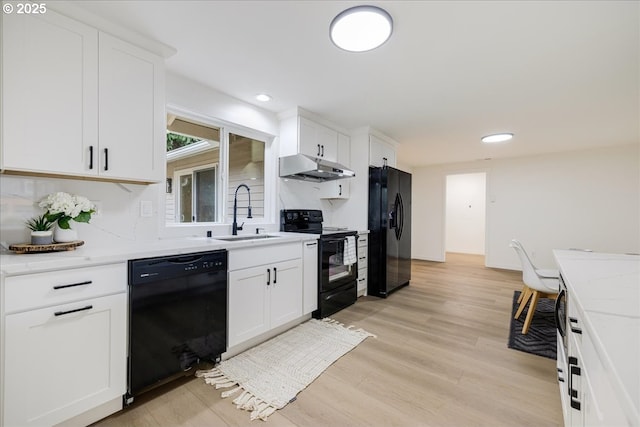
(235, 227)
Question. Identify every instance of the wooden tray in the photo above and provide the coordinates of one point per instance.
(26, 248)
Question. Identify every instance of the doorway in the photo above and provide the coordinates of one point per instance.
(465, 213)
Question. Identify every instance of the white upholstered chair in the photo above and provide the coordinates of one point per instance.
(537, 285)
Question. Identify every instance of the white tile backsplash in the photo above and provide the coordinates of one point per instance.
(119, 217)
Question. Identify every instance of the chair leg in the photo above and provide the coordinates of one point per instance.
(522, 292)
(532, 310)
(524, 298)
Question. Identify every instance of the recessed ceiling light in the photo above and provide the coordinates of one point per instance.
(497, 137)
(361, 28)
(263, 97)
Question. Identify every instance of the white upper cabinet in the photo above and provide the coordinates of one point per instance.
(49, 93)
(301, 135)
(78, 102)
(339, 188)
(381, 153)
(131, 105)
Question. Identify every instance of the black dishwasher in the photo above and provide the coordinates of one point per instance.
(177, 316)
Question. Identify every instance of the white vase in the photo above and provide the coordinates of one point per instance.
(61, 235)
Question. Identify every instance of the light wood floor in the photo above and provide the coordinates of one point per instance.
(440, 359)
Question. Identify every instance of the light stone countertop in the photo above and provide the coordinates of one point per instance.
(120, 251)
(606, 291)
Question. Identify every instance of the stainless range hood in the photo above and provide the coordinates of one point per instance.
(307, 168)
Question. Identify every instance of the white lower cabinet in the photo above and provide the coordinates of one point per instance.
(286, 293)
(590, 398)
(69, 357)
(263, 297)
(310, 276)
(363, 249)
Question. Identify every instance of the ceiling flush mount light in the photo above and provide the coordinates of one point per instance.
(497, 137)
(361, 28)
(263, 97)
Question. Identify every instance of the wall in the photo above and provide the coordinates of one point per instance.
(465, 213)
(584, 199)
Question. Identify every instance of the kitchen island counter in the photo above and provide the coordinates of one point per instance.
(605, 292)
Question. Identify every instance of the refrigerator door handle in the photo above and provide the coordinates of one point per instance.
(400, 217)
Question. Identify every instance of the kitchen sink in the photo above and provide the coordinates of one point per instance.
(240, 238)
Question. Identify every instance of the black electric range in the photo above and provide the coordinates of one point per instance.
(337, 260)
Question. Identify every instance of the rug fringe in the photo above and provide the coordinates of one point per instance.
(230, 392)
(259, 408)
(336, 323)
(216, 378)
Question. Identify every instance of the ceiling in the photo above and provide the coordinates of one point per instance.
(560, 75)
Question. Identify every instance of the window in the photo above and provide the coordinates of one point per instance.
(195, 194)
(201, 158)
(246, 166)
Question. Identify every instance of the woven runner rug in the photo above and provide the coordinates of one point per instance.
(541, 338)
(269, 376)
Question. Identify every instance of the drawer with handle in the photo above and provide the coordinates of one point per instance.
(37, 290)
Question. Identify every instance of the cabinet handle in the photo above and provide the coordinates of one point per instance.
(268, 276)
(575, 329)
(339, 189)
(275, 275)
(318, 150)
(322, 155)
(91, 157)
(311, 244)
(574, 369)
(87, 282)
(106, 159)
(62, 313)
(575, 404)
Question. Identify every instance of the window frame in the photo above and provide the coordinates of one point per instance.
(176, 184)
(222, 167)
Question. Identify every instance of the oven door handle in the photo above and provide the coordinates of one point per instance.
(335, 240)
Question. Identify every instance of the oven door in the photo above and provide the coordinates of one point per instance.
(334, 273)
(561, 313)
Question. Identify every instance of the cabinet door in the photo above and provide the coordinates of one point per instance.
(248, 304)
(131, 127)
(328, 139)
(50, 90)
(317, 140)
(381, 153)
(60, 365)
(286, 292)
(339, 189)
(309, 276)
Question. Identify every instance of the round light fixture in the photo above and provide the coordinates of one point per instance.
(263, 97)
(361, 28)
(497, 137)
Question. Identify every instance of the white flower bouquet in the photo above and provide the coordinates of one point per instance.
(64, 207)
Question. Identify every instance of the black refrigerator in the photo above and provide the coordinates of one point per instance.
(389, 262)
